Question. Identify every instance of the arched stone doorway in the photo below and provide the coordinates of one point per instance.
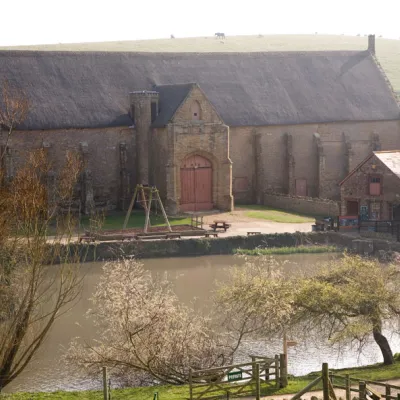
(196, 184)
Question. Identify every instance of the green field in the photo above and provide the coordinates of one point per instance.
(273, 214)
(388, 50)
(136, 220)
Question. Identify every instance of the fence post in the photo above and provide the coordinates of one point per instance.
(277, 378)
(267, 365)
(105, 384)
(387, 391)
(283, 371)
(398, 232)
(253, 369)
(325, 381)
(362, 388)
(257, 372)
(190, 384)
(348, 387)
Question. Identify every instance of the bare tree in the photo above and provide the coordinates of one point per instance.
(144, 330)
(14, 108)
(33, 293)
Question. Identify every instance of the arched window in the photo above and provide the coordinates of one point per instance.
(195, 110)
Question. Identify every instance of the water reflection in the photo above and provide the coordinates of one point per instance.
(193, 278)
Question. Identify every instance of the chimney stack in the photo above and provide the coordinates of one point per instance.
(371, 44)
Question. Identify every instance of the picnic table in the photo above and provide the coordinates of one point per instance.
(219, 225)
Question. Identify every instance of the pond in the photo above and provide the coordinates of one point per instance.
(192, 277)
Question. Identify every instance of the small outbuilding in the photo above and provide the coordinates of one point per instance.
(372, 189)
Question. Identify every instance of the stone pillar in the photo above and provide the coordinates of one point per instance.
(258, 178)
(141, 112)
(290, 164)
(320, 164)
(375, 142)
(371, 44)
(171, 170)
(125, 178)
(349, 154)
(87, 196)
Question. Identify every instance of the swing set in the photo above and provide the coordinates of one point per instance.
(146, 196)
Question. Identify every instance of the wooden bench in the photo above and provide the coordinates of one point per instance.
(213, 234)
(219, 225)
(173, 236)
(253, 233)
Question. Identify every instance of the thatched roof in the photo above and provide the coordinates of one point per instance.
(69, 89)
(170, 98)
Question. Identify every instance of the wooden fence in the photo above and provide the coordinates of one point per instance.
(362, 388)
(392, 227)
(239, 379)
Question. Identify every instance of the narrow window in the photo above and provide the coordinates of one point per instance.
(133, 113)
(195, 111)
(375, 186)
(153, 111)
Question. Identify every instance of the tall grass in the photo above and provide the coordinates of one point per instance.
(288, 250)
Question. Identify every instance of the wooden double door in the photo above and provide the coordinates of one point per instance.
(196, 184)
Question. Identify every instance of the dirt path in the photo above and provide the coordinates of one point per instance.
(339, 393)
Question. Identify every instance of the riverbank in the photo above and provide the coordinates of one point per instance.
(190, 247)
(288, 250)
(376, 372)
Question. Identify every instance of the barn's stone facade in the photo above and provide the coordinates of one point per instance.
(372, 189)
(250, 125)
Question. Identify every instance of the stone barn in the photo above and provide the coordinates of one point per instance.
(372, 189)
(205, 128)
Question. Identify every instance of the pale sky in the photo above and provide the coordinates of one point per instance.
(53, 21)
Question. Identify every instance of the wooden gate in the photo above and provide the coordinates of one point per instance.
(196, 184)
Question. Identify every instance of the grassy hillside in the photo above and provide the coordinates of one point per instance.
(388, 50)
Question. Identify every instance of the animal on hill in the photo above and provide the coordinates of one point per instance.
(219, 35)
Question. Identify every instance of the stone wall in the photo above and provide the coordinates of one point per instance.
(207, 137)
(356, 188)
(302, 205)
(109, 158)
(227, 245)
(272, 158)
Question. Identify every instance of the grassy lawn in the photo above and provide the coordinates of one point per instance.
(388, 50)
(374, 372)
(273, 214)
(136, 220)
(288, 250)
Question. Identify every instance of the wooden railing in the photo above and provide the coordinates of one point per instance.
(362, 387)
(239, 379)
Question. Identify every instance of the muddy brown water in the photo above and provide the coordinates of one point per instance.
(193, 277)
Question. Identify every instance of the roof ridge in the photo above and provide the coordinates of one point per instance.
(66, 52)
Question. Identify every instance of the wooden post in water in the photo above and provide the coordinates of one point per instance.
(105, 386)
(257, 376)
(363, 390)
(283, 370)
(325, 381)
(277, 377)
(348, 387)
